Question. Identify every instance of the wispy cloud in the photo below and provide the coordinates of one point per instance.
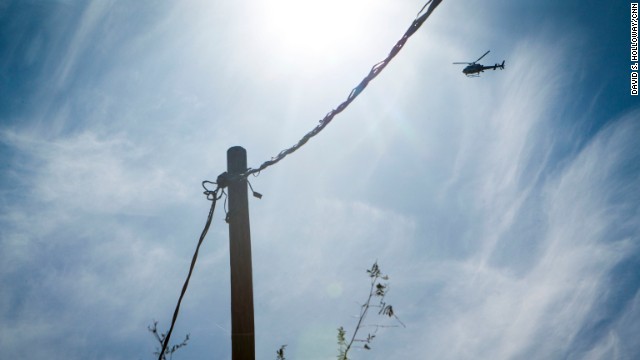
(548, 235)
(89, 172)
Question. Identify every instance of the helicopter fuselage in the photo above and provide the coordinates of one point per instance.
(473, 69)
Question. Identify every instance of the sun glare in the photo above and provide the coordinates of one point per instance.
(312, 30)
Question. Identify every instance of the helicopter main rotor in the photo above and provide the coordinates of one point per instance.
(471, 63)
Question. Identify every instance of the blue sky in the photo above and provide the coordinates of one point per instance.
(504, 208)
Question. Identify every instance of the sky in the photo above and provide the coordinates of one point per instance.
(504, 208)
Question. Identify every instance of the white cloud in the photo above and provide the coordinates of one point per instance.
(88, 172)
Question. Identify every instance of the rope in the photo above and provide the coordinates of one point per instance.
(213, 196)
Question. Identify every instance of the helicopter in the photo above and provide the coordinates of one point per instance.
(473, 69)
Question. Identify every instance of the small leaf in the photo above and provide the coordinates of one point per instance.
(280, 353)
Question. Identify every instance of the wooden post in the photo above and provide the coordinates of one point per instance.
(242, 328)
